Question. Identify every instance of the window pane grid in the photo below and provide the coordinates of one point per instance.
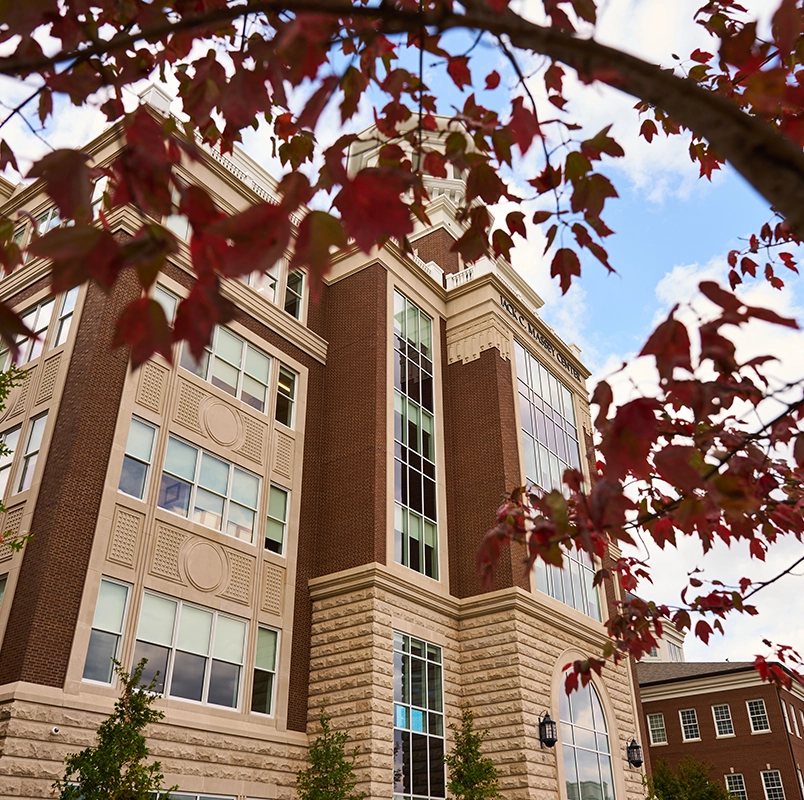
(217, 492)
(197, 652)
(36, 430)
(264, 679)
(758, 716)
(277, 519)
(723, 723)
(772, 783)
(107, 630)
(418, 719)
(656, 728)
(285, 396)
(736, 786)
(689, 724)
(415, 494)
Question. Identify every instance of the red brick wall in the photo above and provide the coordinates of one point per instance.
(436, 246)
(747, 753)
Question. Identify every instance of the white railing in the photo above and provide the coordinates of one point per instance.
(429, 267)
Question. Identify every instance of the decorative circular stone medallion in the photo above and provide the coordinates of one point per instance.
(205, 566)
(222, 423)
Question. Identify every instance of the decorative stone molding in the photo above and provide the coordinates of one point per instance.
(273, 588)
(241, 571)
(24, 391)
(466, 342)
(50, 373)
(125, 538)
(151, 386)
(168, 544)
(283, 455)
(11, 525)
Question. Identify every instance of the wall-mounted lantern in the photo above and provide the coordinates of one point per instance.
(634, 753)
(548, 730)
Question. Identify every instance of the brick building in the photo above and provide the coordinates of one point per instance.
(293, 520)
(723, 714)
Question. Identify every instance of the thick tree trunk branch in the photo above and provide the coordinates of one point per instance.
(772, 164)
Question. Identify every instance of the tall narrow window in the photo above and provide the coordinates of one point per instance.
(285, 396)
(294, 293)
(656, 729)
(193, 653)
(585, 745)
(772, 783)
(277, 520)
(65, 318)
(3, 581)
(794, 719)
(418, 719)
(107, 628)
(137, 460)
(36, 320)
(265, 283)
(36, 430)
(9, 439)
(736, 786)
(786, 718)
(689, 724)
(415, 512)
(723, 723)
(262, 690)
(168, 301)
(758, 716)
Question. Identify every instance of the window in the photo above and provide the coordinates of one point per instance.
(36, 430)
(736, 786)
(208, 490)
(415, 528)
(689, 724)
(572, 584)
(549, 431)
(65, 317)
(654, 652)
(794, 719)
(676, 653)
(262, 690)
(585, 745)
(723, 723)
(107, 628)
(800, 780)
(194, 653)
(801, 716)
(178, 223)
(786, 718)
(168, 301)
(418, 719)
(265, 283)
(277, 519)
(232, 365)
(294, 293)
(137, 461)
(3, 581)
(285, 396)
(9, 439)
(772, 783)
(758, 716)
(656, 729)
(43, 223)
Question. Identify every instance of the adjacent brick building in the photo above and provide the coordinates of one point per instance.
(293, 521)
(723, 714)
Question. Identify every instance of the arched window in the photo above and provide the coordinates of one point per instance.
(585, 745)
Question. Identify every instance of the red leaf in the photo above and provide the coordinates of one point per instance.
(498, 6)
(648, 130)
(199, 313)
(67, 178)
(757, 549)
(318, 234)
(493, 79)
(703, 630)
(629, 438)
(670, 344)
(435, 164)
(143, 327)
(516, 223)
(701, 56)
(726, 300)
(501, 243)
(565, 265)
(484, 182)
(458, 69)
(676, 463)
(7, 157)
(523, 125)
(601, 143)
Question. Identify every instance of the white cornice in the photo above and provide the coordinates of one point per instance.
(709, 684)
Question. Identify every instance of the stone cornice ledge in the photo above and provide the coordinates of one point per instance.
(374, 575)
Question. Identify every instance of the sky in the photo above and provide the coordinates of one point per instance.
(672, 231)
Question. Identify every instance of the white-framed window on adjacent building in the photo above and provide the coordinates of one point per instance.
(418, 719)
(794, 720)
(107, 631)
(415, 494)
(234, 366)
(735, 784)
(585, 745)
(277, 522)
(689, 725)
(801, 717)
(800, 780)
(723, 724)
(772, 784)
(657, 729)
(264, 678)
(786, 718)
(208, 490)
(138, 458)
(197, 652)
(758, 716)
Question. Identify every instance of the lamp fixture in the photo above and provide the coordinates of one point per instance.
(634, 753)
(548, 730)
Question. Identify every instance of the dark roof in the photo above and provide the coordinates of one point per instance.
(665, 672)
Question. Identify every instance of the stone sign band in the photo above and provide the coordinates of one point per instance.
(539, 337)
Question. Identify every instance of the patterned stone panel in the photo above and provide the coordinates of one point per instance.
(252, 446)
(273, 587)
(11, 526)
(125, 538)
(188, 407)
(283, 455)
(50, 373)
(151, 386)
(168, 544)
(25, 390)
(241, 570)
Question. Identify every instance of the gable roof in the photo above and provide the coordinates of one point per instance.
(666, 672)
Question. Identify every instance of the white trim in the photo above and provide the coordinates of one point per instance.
(684, 737)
